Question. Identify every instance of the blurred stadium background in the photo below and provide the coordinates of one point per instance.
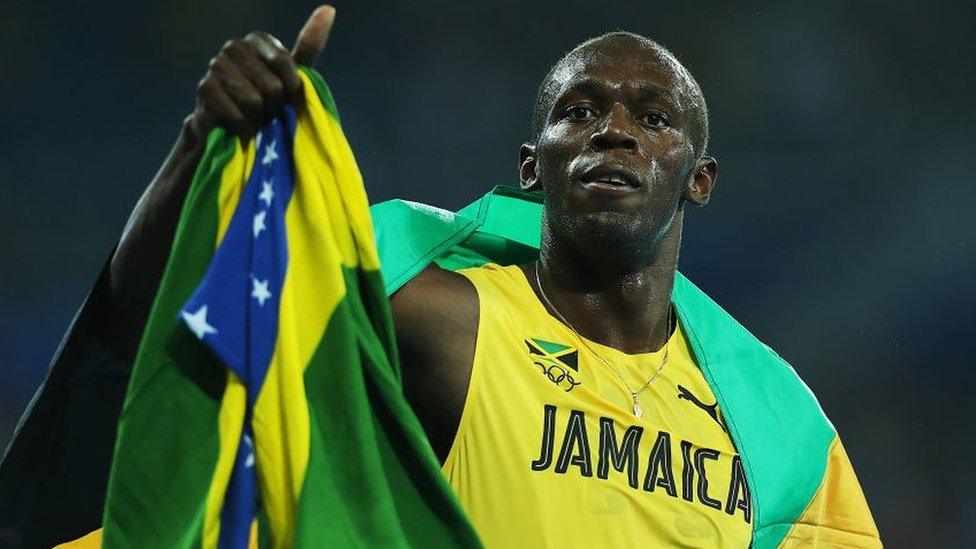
(841, 230)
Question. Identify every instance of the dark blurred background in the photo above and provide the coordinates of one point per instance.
(841, 230)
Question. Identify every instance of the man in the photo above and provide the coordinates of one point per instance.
(562, 395)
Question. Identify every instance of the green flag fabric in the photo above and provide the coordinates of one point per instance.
(266, 389)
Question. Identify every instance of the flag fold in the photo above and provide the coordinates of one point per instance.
(265, 401)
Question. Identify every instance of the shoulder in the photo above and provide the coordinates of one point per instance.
(433, 294)
(436, 316)
(437, 293)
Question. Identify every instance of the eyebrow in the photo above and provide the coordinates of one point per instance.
(645, 91)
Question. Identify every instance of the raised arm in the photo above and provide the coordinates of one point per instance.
(436, 314)
(246, 84)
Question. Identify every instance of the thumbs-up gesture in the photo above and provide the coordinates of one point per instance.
(250, 79)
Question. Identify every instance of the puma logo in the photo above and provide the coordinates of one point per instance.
(710, 409)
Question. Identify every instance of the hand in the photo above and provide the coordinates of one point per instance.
(252, 77)
(247, 83)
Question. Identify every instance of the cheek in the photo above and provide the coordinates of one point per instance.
(674, 146)
(673, 158)
(563, 139)
(657, 173)
(554, 154)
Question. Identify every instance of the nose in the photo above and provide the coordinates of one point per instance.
(615, 132)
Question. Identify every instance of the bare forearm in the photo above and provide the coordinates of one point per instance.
(245, 85)
(137, 265)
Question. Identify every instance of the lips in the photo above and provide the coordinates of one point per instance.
(610, 178)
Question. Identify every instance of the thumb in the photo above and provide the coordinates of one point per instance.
(311, 39)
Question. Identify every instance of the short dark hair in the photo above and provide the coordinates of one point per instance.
(547, 90)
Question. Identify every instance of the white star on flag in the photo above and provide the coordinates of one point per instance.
(197, 322)
(270, 155)
(259, 290)
(249, 460)
(266, 192)
(258, 224)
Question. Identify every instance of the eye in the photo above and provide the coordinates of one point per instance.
(655, 119)
(577, 113)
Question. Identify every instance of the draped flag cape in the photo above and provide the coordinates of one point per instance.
(802, 486)
(300, 426)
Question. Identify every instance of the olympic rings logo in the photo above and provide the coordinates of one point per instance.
(558, 375)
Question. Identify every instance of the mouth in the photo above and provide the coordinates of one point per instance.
(609, 178)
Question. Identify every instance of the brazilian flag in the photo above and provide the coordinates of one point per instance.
(265, 401)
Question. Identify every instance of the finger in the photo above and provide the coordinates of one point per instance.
(268, 84)
(247, 98)
(223, 111)
(313, 36)
(278, 60)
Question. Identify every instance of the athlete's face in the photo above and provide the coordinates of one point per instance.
(616, 155)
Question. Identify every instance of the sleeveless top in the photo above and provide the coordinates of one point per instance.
(549, 452)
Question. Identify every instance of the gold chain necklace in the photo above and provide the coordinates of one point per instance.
(638, 412)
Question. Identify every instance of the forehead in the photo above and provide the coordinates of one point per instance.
(622, 64)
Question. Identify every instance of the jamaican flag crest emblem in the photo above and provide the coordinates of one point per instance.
(557, 361)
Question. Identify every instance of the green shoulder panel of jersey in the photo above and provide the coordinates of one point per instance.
(775, 421)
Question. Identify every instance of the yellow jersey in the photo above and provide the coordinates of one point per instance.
(549, 451)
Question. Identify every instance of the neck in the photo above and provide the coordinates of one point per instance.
(622, 304)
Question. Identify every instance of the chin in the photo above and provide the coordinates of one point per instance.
(607, 234)
(613, 233)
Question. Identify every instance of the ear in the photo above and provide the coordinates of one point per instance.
(701, 181)
(528, 177)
